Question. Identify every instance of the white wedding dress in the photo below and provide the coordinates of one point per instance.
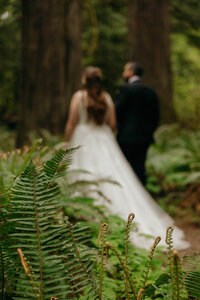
(101, 155)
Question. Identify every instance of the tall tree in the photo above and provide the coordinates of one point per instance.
(44, 77)
(73, 23)
(149, 44)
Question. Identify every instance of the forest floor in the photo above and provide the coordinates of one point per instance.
(185, 211)
(192, 235)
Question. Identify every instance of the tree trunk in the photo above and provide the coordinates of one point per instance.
(149, 44)
(47, 77)
(73, 23)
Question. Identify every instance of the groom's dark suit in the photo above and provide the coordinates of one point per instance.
(137, 110)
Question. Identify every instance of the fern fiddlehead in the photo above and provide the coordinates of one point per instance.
(102, 233)
(150, 257)
(140, 294)
(127, 235)
(177, 272)
(169, 242)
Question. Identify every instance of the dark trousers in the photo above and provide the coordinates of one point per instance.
(136, 155)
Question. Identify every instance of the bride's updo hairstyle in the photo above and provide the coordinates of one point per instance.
(92, 83)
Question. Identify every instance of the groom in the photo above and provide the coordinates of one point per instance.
(137, 111)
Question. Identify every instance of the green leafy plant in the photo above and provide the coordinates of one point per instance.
(53, 250)
(173, 167)
(43, 255)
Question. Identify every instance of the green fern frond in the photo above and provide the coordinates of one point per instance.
(7, 268)
(80, 262)
(7, 263)
(42, 238)
(33, 212)
(192, 284)
(83, 209)
(89, 188)
(191, 276)
(57, 166)
(57, 252)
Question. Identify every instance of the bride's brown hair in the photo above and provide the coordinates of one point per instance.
(92, 83)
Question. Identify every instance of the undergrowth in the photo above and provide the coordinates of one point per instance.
(50, 248)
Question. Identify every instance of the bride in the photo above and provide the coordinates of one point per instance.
(91, 124)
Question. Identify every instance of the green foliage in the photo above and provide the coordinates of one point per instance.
(186, 70)
(185, 19)
(43, 252)
(185, 41)
(191, 267)
(173, 167)
(105, 32)
(175, 156)
(53, 252)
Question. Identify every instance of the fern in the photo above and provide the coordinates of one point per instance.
(127, 236)
(46, 240)
(191, 275)
(169, 242)
(79, 262)
(44, 256)
(148, 265)
(177, 274)
(124, 267)
(56, 167)
(7, 263)
(102, 239)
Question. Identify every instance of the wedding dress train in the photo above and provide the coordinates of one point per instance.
(101, 155)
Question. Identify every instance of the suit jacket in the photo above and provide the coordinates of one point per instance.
(137, 110)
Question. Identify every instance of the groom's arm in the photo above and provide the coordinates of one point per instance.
(122, 101)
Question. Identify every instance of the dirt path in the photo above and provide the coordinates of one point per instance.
(192, 234)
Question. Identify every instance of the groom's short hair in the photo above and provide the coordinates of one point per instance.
(137, 68)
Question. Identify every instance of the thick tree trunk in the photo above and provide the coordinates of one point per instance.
(73, 23)
(149, 44)
(49, 70)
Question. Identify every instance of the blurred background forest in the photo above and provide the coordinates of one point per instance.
(45, 45)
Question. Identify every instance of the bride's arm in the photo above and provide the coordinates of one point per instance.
(73, 116)
(111, 114)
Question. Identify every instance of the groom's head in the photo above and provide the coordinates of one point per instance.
(132, 69)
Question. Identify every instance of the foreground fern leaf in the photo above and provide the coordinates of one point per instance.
(191, 277)
(33, 210)
(7, 264)
(56, 167)
(48, 242)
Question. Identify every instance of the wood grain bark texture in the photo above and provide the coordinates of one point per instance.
(148, 42)
(51, 58)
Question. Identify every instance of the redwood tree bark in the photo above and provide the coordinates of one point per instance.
(73, 23)
(49, 71)
(149, 44)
